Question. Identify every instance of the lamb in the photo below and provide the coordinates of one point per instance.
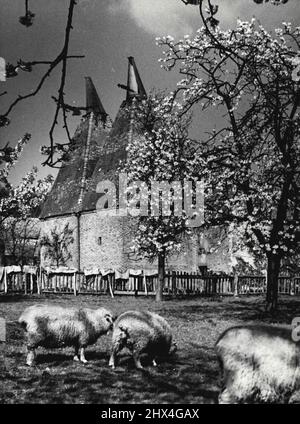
(259, 364)
(141, 332)
(52, 326)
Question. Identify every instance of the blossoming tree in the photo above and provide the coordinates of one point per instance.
(55, 150)
(248, 76)
(18, 204)
(163, 153)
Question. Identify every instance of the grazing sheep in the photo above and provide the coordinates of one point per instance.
(259, 364)
(141, 332)
(56, 326)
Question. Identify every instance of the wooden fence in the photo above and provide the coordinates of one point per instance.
(19, 282)
(176, 284)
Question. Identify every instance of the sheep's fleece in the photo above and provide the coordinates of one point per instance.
(141, 332)
(259, 364)
(55, 326)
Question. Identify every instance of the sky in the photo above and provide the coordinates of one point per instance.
(106, 32)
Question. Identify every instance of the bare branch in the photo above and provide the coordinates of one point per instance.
(61, 93)
(62, 59)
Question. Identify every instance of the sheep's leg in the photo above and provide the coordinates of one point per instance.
(113, 360)
(82, 357)
(117, 346)
(137, 361)
(30, 356)
(113, 357)
(76, 356)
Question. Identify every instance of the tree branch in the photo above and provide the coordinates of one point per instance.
(62, 59)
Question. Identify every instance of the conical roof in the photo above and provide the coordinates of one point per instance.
(97, 158)
(114, 151)
(135, 87)
(73, 177)
(93, 102)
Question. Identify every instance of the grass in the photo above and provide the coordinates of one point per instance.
(190, 376)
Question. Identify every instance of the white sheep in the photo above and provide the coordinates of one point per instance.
(259, 364)
(55, 326)
(141, 332)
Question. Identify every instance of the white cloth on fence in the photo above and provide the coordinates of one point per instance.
(106, 271)
(60, 270)
(66, 270)
(121, 275)
(12, 268)
(28, 269)
(150, 273)
(91, 271)
(135, 272)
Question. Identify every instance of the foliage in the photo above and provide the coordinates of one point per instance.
(55, 150)
(24, 200)
(18, 205)
(9, 156)
(20, 238)
(252, 161)
(57, 245)
(212, 9)
(159, 151)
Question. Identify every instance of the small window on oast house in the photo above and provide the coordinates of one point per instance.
(99, 241)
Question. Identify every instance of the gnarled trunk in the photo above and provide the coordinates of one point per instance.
(273, 269)
(161, 276)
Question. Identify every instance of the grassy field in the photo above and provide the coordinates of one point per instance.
(189, 376)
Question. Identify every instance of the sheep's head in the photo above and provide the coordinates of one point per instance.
(106, 318)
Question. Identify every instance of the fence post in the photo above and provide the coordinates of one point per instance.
(266, 281)
(31, 283)
(24, 281)
(188, 283)
(136, 285)
(174, 283)
(113, 282)
(292, 286)
(39, 280)
(145, 283)
(5, 281)
(74, 282)
(236, 284)
(110, 285)
(214, 284)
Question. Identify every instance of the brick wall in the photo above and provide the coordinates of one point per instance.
(107, 252)
(106, 241)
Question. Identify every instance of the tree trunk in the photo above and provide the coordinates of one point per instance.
(161, 276)
(272, 281)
